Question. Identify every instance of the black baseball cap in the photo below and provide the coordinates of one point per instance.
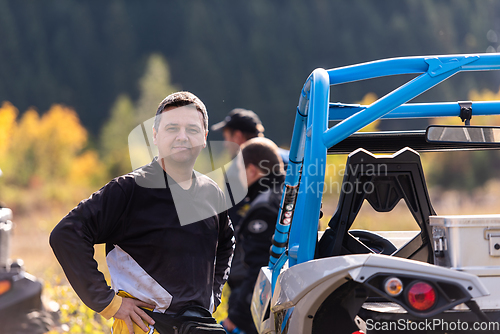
(241, 119)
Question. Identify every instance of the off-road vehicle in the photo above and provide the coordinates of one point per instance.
(444, 279)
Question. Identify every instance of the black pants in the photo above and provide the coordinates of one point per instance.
(244, 319)
(191, 320)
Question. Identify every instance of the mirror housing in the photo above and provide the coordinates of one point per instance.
(463, 134)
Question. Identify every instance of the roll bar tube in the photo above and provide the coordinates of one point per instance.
(295, 236)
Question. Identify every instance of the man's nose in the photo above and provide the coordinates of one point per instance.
(182, 135)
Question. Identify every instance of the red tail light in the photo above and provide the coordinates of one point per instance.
(421, 296)
(4, 286)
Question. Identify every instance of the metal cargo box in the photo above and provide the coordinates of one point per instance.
(466, 242)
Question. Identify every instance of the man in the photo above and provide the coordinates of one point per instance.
(239, 126)
(157, 259)
(265, 177)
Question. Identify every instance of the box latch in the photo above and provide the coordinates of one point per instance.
(493, 235)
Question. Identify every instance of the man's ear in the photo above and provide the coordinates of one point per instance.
(154, 136)
(253, 173)
(254, 170)
(238, 137)
(205, 139)
(251, 169)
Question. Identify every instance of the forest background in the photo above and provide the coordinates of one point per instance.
(77, 76)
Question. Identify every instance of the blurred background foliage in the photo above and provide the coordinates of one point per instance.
(105, 66)
(252, 54)
(76, 77)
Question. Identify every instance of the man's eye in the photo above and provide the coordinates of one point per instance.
(171, 129)
(194, 131)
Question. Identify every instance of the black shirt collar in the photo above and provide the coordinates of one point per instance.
(269, 182)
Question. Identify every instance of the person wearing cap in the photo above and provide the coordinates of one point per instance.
(241, 125)
(237, 127)
(166, 266)
(265, 176)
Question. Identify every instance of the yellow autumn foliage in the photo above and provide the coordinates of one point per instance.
(86, 169)
(368, 99)
(475, 95)
(61, 137)
(485, 95)
(20, 164)
(46, 149)
(8, 115)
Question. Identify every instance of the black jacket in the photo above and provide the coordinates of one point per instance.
(150, 254)
(254, 237)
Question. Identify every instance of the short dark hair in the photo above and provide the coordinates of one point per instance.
(181, 99)
(264, 154)
(247, 135)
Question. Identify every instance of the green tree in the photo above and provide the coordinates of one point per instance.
(154, 86)
(114, 137)
(124, 116)
(254, 54)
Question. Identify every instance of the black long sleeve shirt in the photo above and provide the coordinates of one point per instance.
(150, 254)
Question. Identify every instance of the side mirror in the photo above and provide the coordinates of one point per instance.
(463, 134)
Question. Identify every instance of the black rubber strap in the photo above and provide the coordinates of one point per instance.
(273, 254)
(465, 111)
(279, 244)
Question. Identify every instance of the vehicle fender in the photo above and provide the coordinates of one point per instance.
(261, 299)
(297, 281)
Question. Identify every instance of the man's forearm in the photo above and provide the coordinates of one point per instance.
(75, 255)
(222, 270)
(224, 257)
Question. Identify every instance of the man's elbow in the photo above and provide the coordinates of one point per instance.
(56, 237)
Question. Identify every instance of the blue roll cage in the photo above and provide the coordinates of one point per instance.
(297, 225)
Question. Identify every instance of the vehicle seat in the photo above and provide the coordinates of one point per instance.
(382, 181)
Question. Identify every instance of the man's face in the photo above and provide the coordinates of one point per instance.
(180, 136)
(232, 137)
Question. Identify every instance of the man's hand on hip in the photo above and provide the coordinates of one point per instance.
(130, 311)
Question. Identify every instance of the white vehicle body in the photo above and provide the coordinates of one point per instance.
(300, 290)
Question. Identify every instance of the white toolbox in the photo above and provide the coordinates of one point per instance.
(469, 243)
